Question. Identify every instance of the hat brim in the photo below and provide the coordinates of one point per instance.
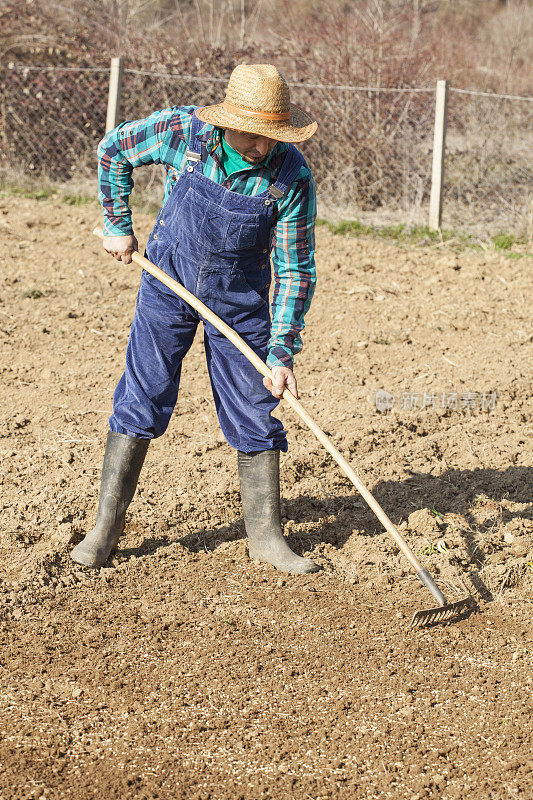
(299, 127)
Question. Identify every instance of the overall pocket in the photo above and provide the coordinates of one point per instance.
(218, 229)
(232, 292)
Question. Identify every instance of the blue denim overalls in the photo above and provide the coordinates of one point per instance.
(217, 244)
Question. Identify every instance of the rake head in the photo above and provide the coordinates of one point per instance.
(445, 613)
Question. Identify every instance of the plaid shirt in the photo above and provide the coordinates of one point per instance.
(163, 138)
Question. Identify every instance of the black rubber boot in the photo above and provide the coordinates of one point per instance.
(123, 460)
(259, 478)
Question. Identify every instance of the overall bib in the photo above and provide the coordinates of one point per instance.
(217, 244)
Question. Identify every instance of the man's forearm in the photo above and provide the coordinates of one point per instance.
(293, 258)
(293, 291)
(131, 145)
(115, 184)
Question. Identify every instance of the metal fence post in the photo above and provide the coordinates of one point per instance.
(439, 149)
(113, 99)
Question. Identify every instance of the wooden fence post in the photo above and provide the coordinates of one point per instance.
(113, 99)
(439, 149)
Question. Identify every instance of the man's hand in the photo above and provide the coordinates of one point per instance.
(282, 378)
(121, 247)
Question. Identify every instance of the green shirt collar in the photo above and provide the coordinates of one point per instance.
(231, 160)
(214, 139)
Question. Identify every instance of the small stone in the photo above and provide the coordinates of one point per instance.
(107, 571)
(407, 711)
(398, 573)
(508, 537)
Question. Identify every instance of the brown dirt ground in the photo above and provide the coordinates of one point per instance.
(183, 670)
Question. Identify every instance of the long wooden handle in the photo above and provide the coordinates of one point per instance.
(261, 367)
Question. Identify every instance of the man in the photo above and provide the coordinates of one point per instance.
(236, 190)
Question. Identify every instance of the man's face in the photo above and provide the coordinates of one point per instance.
(253, 148)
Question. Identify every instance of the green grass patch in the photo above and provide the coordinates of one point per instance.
(503, 241)
(139, 201)
(434, 513)
(347, 227)
(400, 233)
(42, 193)
(46, 192)
(422, 235)
(76, 199)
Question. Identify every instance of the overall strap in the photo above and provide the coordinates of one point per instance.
(289, 170)
(193, 153)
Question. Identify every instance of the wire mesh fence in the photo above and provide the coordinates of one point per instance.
(372, 153)
(488, 178)
(371, 157)
(51, 120)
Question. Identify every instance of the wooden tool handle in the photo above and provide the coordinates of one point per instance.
(261, 367)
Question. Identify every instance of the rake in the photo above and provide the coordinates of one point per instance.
(444, 611)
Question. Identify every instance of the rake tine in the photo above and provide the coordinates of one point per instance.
(433, 616)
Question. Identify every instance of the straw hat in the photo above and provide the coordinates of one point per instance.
(257, 101)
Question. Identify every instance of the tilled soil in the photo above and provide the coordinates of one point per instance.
(183, 669)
